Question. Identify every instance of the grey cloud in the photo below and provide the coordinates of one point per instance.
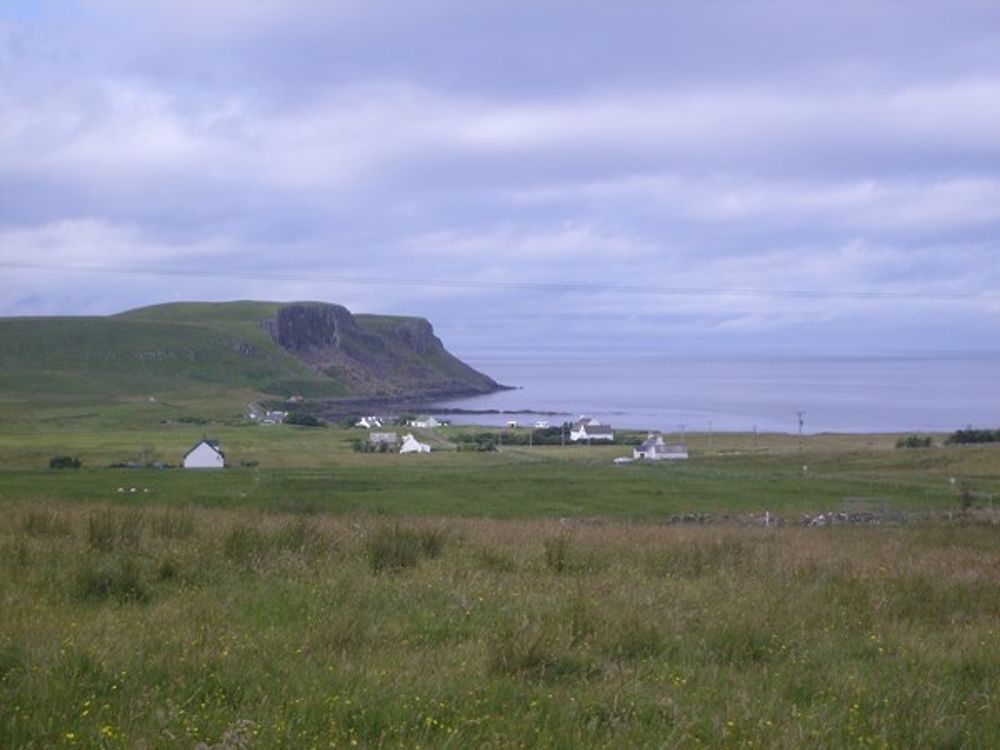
(773, 145)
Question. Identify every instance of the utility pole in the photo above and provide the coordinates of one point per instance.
(682, 431)
(800, 414)
(710, 436)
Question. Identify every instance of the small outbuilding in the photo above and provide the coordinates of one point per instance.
(588, 428)
(205, 455)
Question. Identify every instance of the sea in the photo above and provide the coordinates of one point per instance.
(741, 393)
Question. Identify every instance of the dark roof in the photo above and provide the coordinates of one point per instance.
(598, 429)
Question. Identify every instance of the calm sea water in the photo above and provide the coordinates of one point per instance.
(837, 394)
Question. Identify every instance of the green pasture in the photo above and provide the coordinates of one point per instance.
(164, 627)
(284, 467)
(311, 596)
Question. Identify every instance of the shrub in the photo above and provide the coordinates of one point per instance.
(972, 435)
(914, 441)
(304, 420)
(65, 462)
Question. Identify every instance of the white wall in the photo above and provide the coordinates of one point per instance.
(203, 457)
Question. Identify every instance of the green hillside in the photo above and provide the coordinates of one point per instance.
(195, 350)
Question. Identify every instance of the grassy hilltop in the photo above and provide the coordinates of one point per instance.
(224, 353)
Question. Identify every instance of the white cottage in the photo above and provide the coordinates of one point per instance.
(425, 422)
(655, 449)
(412, 445)
(205, 455)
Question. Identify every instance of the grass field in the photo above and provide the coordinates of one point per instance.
(527, 598)
(168, 626)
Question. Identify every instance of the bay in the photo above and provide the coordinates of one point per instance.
(698, 393)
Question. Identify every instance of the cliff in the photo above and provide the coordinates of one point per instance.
(207, 350)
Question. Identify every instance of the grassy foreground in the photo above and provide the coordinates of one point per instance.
(167, 626)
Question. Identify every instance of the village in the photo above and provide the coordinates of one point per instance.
(209, 454)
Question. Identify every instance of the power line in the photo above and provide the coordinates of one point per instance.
(636, 289)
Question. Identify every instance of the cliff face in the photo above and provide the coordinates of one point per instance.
(373, 356)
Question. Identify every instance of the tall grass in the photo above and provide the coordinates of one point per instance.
(236, 628)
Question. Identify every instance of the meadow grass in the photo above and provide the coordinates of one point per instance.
(529, 598)
(164, 626)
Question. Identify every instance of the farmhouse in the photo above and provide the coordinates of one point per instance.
(588, 428)
(205, 455)
(369, 422)
(655, 449)
(425, 422)
(412, 445)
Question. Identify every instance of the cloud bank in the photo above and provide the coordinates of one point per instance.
(774, 175)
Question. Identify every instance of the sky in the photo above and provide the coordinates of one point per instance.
(530, 176)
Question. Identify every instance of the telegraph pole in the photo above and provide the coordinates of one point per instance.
(800, 414)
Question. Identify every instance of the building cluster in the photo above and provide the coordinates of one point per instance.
(208, 454)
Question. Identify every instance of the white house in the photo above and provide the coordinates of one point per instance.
(655, 449)
(425, 422)
(412, 445)
(274, 417)
(205, 455)
(369, 422)
(388, 438)
(541, 424)
(588, 428)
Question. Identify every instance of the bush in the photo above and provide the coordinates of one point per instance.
(915, 441)
(304, 420)
(65, 462)
(971, 435)
(481, 442)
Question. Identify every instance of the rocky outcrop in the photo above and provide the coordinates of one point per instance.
(305, 328)
(374, 356)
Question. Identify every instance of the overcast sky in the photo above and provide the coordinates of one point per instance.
(528, 175)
